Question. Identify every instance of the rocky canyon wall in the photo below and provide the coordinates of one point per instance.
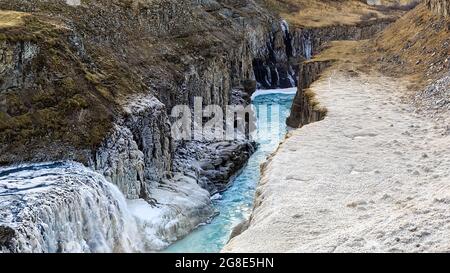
(304, 108)
(96, 84)
(308, 42)
(173, 51)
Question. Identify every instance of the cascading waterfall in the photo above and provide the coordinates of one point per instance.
(289, 52)
(277, 76)
(63, 207)
(274, 71)
(291, 76)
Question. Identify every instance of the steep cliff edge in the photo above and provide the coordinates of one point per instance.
(371, 176)
(305, 108)
(318, 23)
(307, 25)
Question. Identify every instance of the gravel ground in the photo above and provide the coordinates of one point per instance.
(435, 99)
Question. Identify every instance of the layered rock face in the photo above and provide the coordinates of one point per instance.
(304, 108)
(308, 42)
(122, 66)
(139, 150)
(15, 57)
(440, 7)
(289, 46)
(173, 50)
(275, 67)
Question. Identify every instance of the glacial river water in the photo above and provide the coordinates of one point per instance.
(235, 204)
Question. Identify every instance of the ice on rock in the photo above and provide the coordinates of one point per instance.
(307, 47)
(66, 207)
(182, 205)
(262, 92)
(284, 26)
(63, 207)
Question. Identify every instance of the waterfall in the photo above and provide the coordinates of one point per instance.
(291, 80)
(278, 76)
(268, 77)
(291, 75)
(307, 46)
(285, 27)
(63, 207)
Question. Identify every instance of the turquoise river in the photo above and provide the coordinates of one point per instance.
(235, 204)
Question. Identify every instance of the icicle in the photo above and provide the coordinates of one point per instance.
(268, 77)
(278, 77)
(285, 27)
(307, 46)
(291, 75)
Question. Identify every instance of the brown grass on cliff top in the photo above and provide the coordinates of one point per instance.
(11, 18)
(346, 56)
(315, 13)
(339, 51)
(417, 46)
(70, 106)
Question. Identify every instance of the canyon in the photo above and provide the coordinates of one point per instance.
(371, 188)
(86, 93)
(368, 168)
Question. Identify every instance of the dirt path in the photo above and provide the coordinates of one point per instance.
(372, 177)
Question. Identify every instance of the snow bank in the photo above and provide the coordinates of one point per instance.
(181, 206)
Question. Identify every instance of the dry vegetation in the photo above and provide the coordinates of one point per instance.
(91, 59)
(417, 46)
(309, 13)
(11, 18)
(71, 105)
(339, 50)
